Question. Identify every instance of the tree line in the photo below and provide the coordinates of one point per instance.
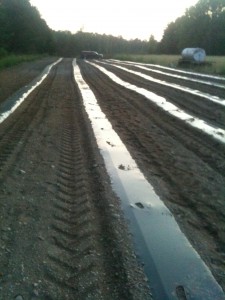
(22, 30)
(202, 25)
(68, 44)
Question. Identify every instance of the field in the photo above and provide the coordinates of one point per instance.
(12, 60)
(64, 232)
(217, 62)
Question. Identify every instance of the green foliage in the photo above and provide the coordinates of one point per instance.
(68, 44)
(3, 52)
(23, 31)
(201, 26)
(21, 28)
(217, 65)
(163, 60)
(153, 45)
(11, 60)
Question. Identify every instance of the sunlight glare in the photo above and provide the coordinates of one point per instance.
(131, 20)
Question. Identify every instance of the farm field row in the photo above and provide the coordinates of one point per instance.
(64, 234)
(184, 164)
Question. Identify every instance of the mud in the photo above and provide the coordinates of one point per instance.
(63, 235)
(185, 166)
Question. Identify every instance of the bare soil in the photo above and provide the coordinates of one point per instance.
(63, 235)
(185, 166)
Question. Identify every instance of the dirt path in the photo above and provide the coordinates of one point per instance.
(185, 166)
(62, 232)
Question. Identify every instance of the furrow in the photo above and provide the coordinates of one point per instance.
(73, 224)
(13, 135)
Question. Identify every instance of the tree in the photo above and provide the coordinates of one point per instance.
(152, 45)
(169, 42)
(22, 29)
(201, 26)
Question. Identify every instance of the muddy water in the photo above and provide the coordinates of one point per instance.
(215, 132)
(174, 269)
(11, 104)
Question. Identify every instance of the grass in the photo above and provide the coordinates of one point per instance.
(216, 64)
(12, 60)
(165, 60)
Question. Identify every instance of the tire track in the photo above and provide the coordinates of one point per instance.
(213, 90)
(201, 144)
(204, 109)
(73, 227)
(14, 131)
(84, 260)
(11, 82)
(192, 74)
(64, 236)
(185, 167)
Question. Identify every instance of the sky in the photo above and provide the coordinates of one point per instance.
(129, 19)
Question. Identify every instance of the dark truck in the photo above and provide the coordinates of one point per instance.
(91, 55)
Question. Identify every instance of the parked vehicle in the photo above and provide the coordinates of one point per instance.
(91, 55)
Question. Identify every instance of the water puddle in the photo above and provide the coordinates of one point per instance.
(176, 86)
(173, 267)
(14, 101)
(215, 132)
(211, 83)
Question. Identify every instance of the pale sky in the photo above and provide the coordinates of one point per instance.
(129, 19)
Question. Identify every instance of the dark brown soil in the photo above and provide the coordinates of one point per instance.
(14, 78)
(63, 235)
(185, 166)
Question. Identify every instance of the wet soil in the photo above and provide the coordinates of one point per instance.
(185, 166)
(14, 78)
(63, 235)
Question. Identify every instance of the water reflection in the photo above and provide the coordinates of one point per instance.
(170, 262)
